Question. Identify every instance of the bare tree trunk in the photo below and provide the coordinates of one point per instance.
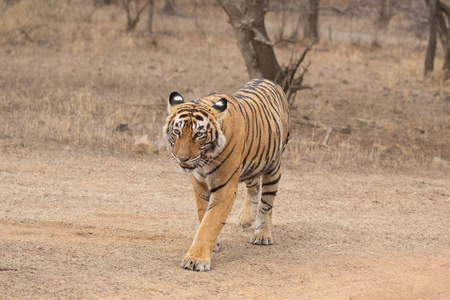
(443, 28)
(151, 5)
(439, 22)
(265, 54)
(252, 39)
(257, 50)
(431, 48)
(243, 39)
(312, 31)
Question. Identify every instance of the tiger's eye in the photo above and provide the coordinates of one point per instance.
(198, 135)
(176, 132)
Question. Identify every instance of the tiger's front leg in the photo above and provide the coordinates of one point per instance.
(198, 258)
(202, 195)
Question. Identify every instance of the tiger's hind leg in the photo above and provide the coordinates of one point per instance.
(263, 230)
(249, 209)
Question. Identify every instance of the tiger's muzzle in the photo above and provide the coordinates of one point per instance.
(187, 163)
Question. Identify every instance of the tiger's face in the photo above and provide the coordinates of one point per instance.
(193, 131)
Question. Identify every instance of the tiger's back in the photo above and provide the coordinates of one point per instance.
(264, 107)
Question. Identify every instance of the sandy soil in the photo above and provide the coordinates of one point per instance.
(80, 224)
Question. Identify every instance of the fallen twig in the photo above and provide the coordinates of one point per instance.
(327, 137)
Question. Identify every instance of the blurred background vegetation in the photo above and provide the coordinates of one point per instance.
(97, 73)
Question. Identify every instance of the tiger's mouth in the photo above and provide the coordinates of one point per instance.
(187, 167)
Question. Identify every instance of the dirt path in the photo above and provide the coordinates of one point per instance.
(76, 224)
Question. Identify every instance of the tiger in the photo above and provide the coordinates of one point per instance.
(223, 140)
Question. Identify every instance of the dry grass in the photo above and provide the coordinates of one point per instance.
(71, 74)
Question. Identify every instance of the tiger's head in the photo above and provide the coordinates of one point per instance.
(193, 130)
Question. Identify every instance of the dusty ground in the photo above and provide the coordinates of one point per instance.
(76, 224)
(83, 214)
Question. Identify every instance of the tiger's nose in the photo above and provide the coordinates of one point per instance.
(183, 158)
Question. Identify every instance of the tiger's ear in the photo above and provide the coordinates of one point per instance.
(220, 107)
(175, 99)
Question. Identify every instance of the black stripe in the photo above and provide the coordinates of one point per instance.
(240, 109)
(218, 166)
(253, 121)
(194, 110)
(253, 166)
(253, 185)
(224, 149)
(256, 111)
(272, 182)
(212, 205)
(276, 169)
(201, 175)
(221, 186)
(266, 209)
(269, 115)
(270, 206)
(205, 197)
(262, 200)
(269, 193)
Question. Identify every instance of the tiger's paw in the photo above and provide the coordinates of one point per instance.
(247, 217)
(261, 239)
(195, 263)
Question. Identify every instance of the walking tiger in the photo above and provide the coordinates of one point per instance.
(223, 140)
